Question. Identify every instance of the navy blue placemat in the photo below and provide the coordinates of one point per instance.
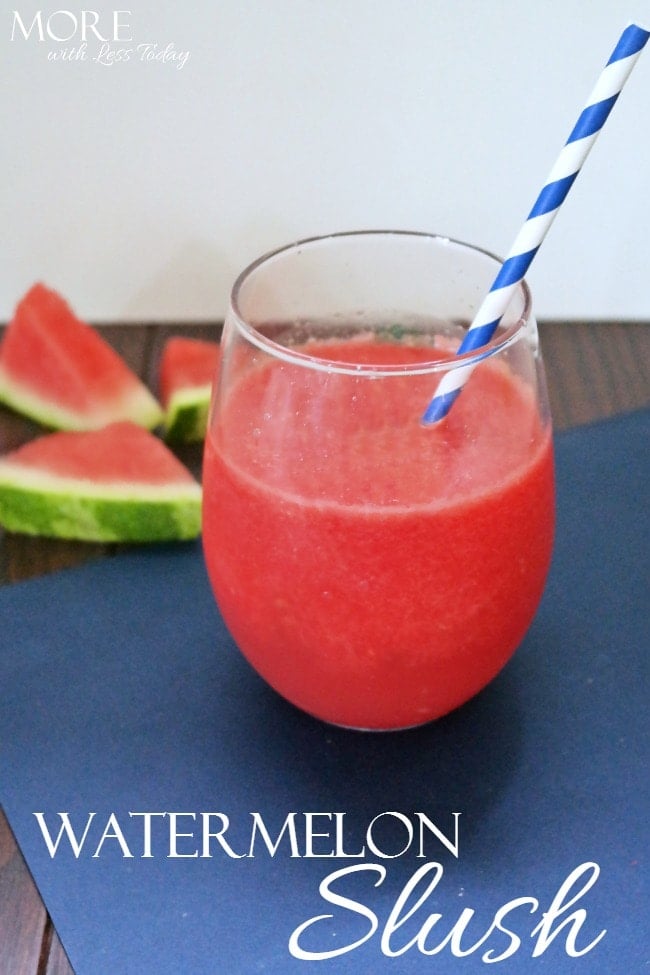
(123, 699)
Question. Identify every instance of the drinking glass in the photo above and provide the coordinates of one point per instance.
(376, 571)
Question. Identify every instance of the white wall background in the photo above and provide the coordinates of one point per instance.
(140, 190)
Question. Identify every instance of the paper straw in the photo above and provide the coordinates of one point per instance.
(530, 237)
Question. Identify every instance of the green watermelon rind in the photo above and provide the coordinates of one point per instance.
(186, 418)
(84, 511)
(140, 406)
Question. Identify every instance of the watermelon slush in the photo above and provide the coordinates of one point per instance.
(375, 572)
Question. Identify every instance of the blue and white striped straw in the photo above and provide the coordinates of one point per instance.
(530, 237)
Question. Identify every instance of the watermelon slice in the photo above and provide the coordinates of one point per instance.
(58, 370)
(187, 368)
(120, 484)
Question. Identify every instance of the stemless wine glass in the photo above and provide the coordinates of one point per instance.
(376, 571)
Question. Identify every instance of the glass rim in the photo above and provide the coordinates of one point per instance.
(495, 346)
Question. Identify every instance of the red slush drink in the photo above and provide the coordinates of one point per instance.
(377, 573)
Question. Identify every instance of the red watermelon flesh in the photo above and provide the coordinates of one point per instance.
(120, 453)
(60, 371)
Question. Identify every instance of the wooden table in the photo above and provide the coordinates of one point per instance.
(594, 371)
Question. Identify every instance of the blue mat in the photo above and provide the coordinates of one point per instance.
(124, 698)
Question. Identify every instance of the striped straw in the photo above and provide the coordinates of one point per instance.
(530, 237)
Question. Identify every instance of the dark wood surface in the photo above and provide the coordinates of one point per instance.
(594, 371)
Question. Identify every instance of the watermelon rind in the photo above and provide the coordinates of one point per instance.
(34, 503)
(186, 419)
(140, 406)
